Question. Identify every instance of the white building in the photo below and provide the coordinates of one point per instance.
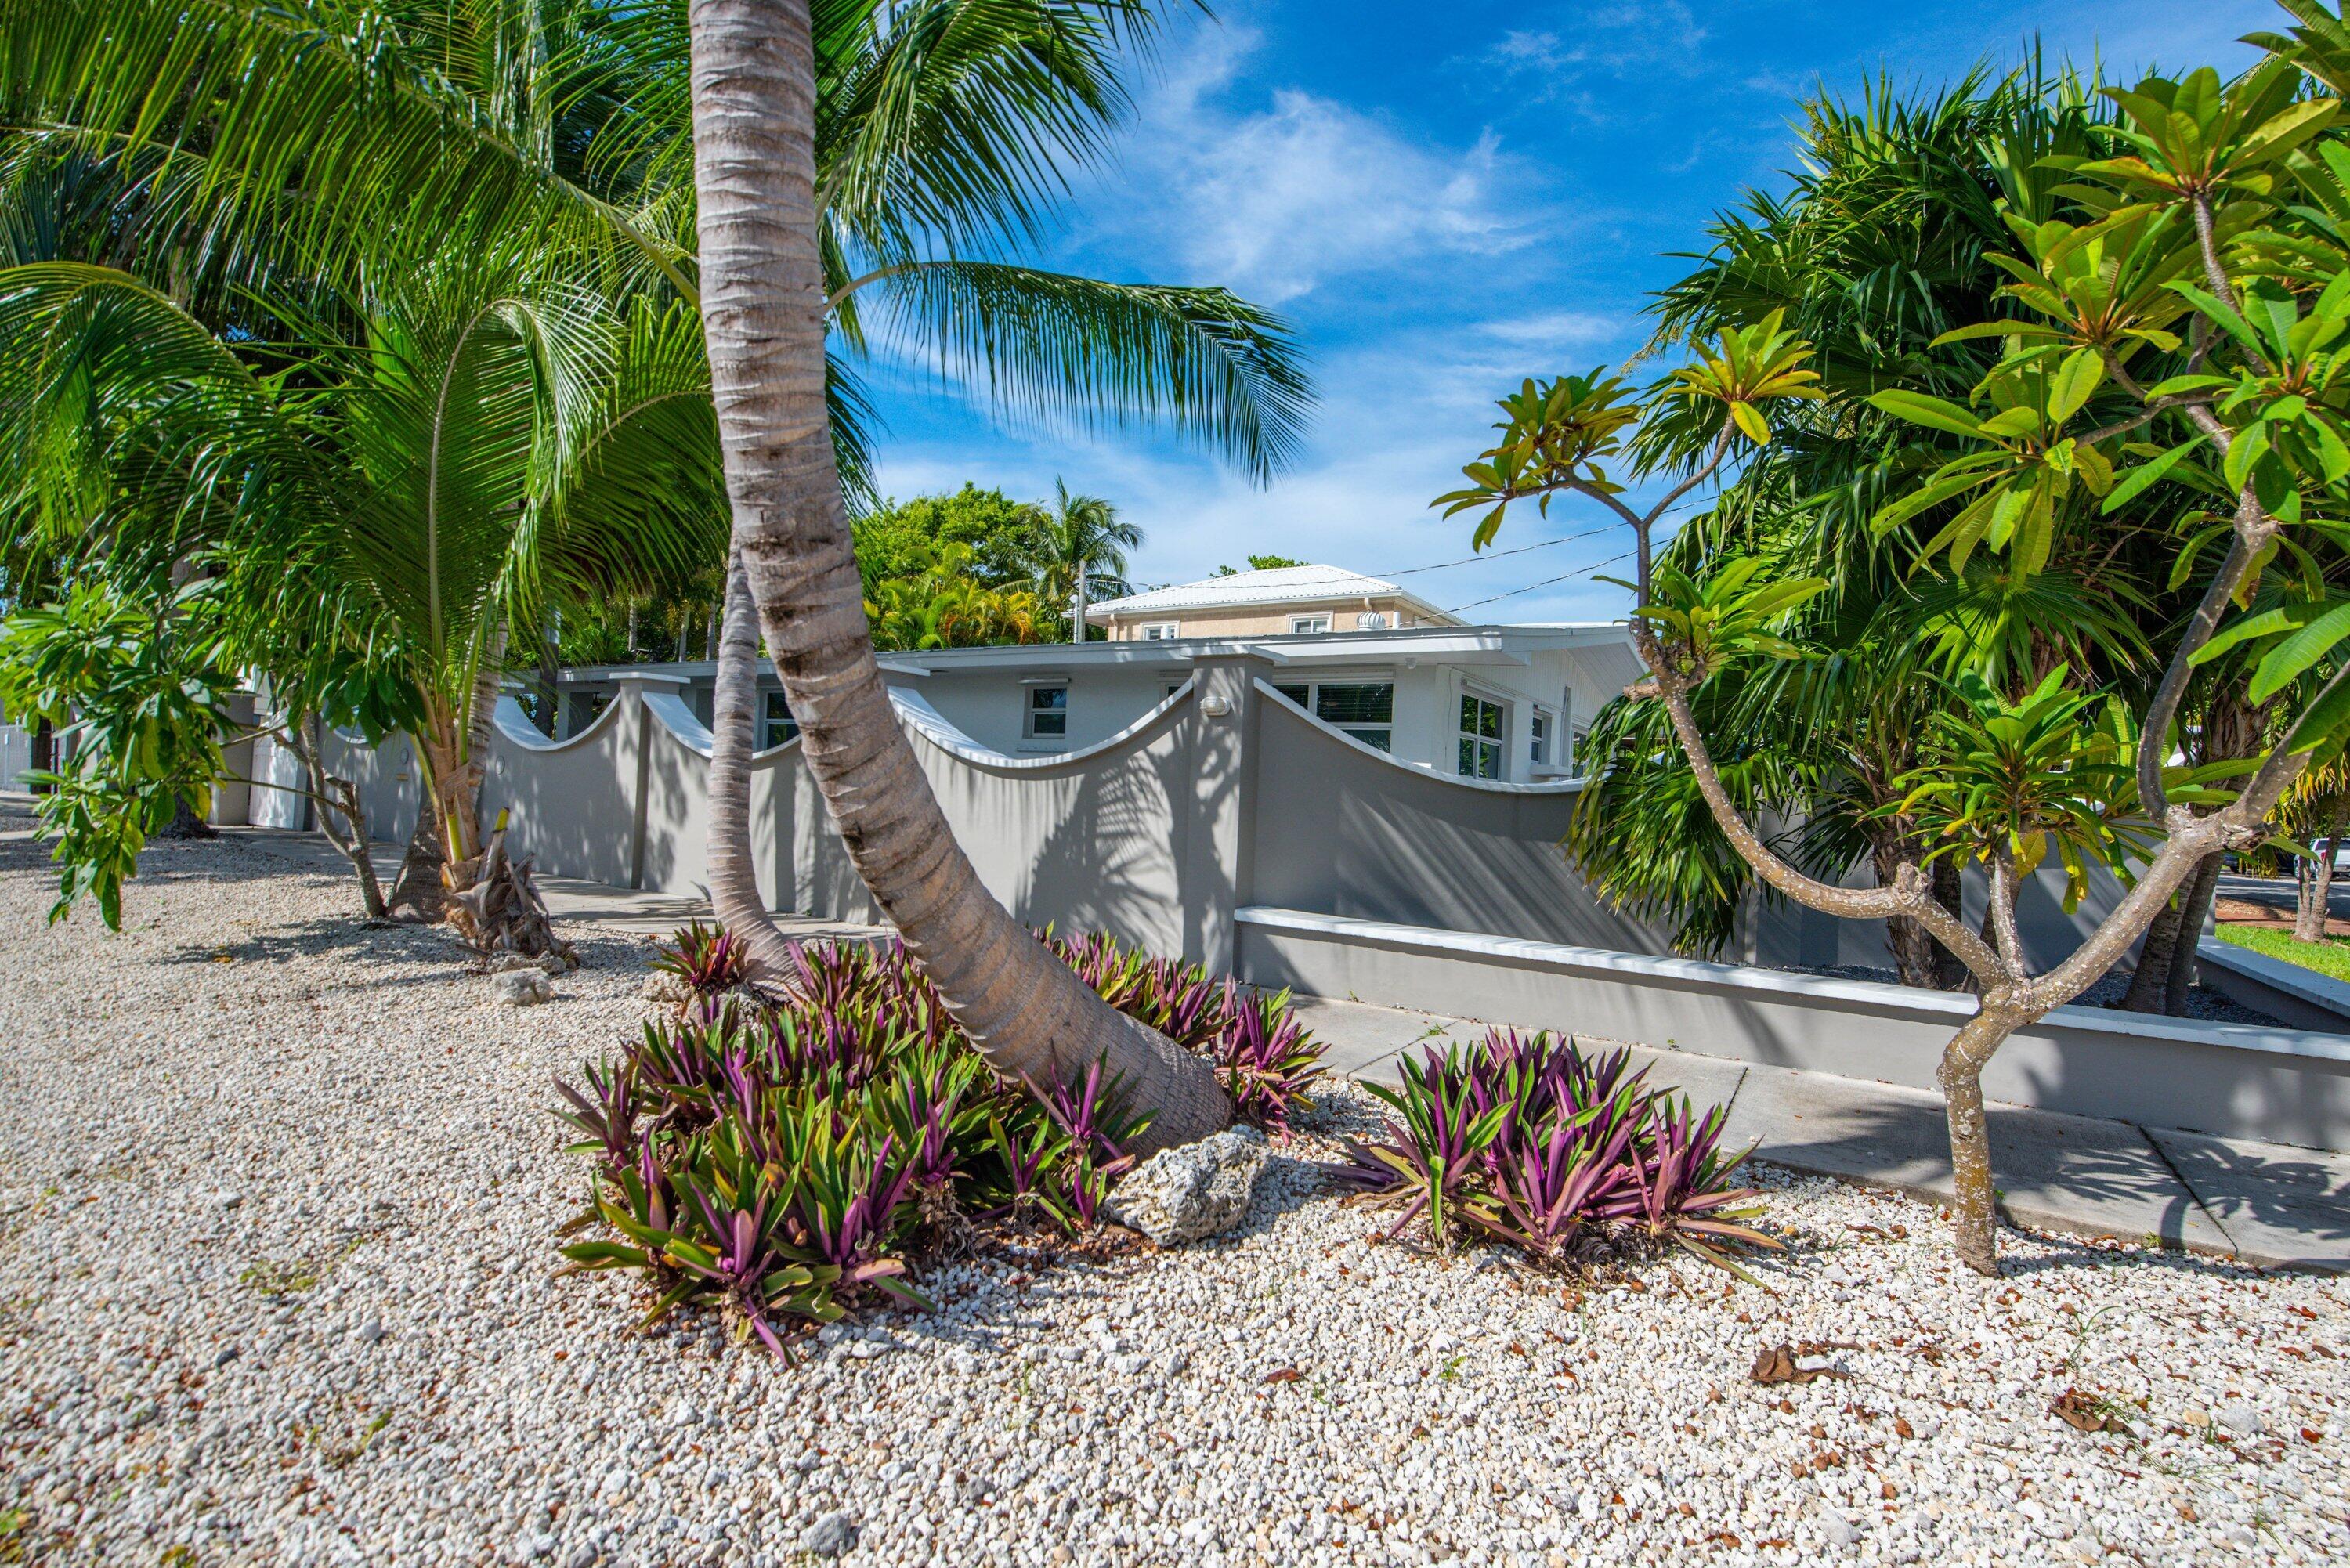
(1509, 703)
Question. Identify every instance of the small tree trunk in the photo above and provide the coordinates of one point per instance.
(1975, 1200)
(549, 688)
(2152, 976)
(1914, 948)
(1950, 891)
(421, 894)
(185, 823)
(338, 800)
(2193, 905)
(2314, 888)
(733, 736)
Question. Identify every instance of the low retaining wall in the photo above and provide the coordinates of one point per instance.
(2281, 1085)
(2288, 992)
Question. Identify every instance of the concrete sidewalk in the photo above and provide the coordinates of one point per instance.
(2265, 1204)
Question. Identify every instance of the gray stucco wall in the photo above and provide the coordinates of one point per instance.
(1229, 827)
(2280, 1086)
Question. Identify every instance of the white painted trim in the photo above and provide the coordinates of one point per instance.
(920, 718)
(1495, 786)
(686, 728)
(515, 728)
(1795, 988)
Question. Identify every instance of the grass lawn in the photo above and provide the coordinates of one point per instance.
(2330, 957)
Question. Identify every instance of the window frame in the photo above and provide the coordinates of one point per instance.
(1362, 731)
(1030, 711)
(1317, 624)
(1159, 631)
(769, 700)
(1465, 738)
(1542, 735)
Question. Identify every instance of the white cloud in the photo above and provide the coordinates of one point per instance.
(1273, 201)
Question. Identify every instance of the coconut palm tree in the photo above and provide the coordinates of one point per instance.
(359, 130)
(490, 435)
(1079, 554)
(763, 293)
(897, 118)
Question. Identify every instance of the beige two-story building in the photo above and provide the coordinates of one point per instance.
(1286, 601)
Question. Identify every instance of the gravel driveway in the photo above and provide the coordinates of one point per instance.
(276, 1224)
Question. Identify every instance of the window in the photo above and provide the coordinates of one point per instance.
(1161, 630)
(1048, 713)
(1480, 737)
(1538, 733)
(1303, 625)
(779, 725)
(1371, 620)
(1363, 709)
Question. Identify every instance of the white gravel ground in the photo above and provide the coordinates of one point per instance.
(245, 1091)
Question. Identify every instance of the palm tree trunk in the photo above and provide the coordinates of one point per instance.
(550, 690)
(2151, 978)
(1950, 891)
(763, 314)
(733, 736)
(2316, 889)
(1077, 619)
(421, 894)
(2194, 903)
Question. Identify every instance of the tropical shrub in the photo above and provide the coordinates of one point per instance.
(783, 1159)
(1565, 1156)
(709, 959)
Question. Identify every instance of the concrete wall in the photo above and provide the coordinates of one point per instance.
(2280, 1086)
(1226, 825)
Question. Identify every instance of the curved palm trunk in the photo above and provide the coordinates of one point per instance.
(763, 316)
(733, 736)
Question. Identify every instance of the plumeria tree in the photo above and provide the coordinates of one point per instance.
(2182, 337)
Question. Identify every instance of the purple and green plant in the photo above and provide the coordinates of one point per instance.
(710, 959)
(1533, 1142)
(1266, 1060)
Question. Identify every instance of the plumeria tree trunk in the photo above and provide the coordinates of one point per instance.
(733, 737)
(763, 307)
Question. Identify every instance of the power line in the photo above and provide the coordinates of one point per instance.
(1546, 582)
(1495, 555)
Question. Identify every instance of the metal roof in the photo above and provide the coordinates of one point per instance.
(1276, 586)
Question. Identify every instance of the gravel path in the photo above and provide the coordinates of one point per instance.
(274, 1233)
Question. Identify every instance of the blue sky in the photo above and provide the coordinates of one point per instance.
(1442, 203)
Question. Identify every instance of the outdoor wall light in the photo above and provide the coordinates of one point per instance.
(1214, 707)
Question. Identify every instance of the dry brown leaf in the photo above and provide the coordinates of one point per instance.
(1780, 1364)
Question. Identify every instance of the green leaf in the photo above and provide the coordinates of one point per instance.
(2225, 315)
(2286, 662)
(1934, 414)
(1945, 486)
(2127, 487)
(2074, 381)
(2250, 628)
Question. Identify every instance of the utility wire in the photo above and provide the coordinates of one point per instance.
(1495, 555)
(1546, 582)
